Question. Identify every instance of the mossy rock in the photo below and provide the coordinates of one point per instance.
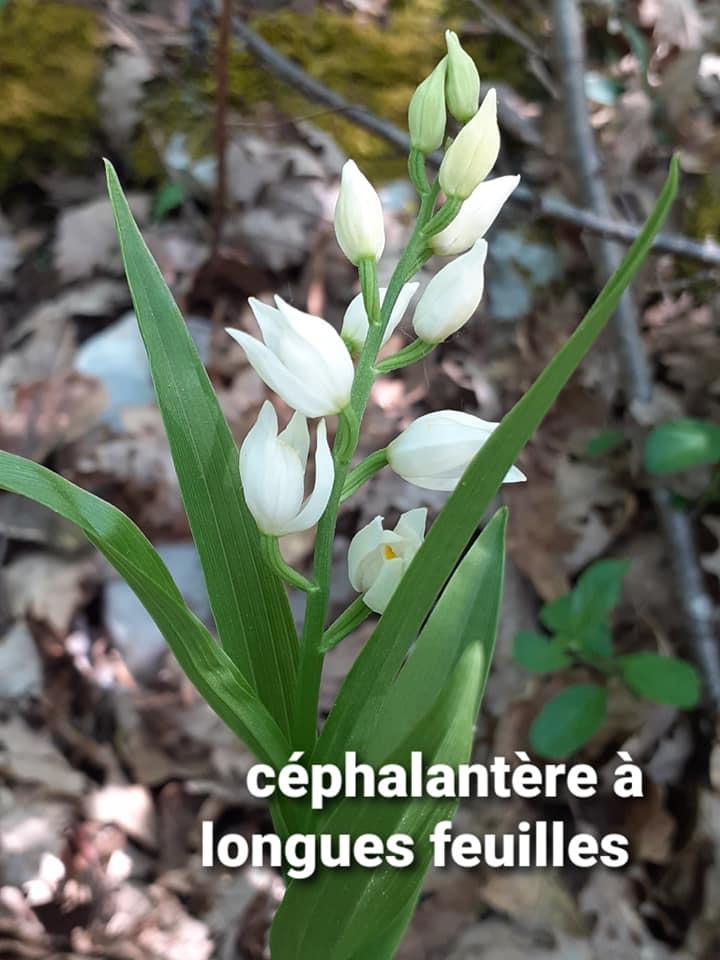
(48, 63)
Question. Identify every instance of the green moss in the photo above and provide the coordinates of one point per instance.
(48, 65)
(368, 62)
(378, 66)
(702, 217)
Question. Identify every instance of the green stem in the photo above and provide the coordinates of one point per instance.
(444, 217)
(417, 350)
(367, 274)
(348, 621)
(417, 171)
(310, 669)
(270, 552)
(362, 473)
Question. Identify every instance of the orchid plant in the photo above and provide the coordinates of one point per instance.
(418, 682)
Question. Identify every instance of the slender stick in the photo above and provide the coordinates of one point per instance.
(696, 604)
(221, 98)
(542, 204)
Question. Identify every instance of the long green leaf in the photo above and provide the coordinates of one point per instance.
(211, 670)
(373, 674)
(430, 708)
(249, 606)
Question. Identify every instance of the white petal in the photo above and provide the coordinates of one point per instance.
(452, 296)
(359, 225)
(385, 585)
(398, 311)
(411, 525)
(355, 320)
(296, 392)
(297, 435)
(332, 361)
(476, 216)
(364, 542)
(433, 483)
(472, 154)
(271, 474)
(293, 336)
(271, 323)
(263, 431)
(324, 476)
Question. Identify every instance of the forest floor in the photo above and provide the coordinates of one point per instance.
(109, 760)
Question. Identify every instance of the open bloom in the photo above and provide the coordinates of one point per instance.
(378, 558)
(355, 322)
(472, 154)
(303, 359)
(475, 218)
(272, 470)
(359, 225)
(452, 296)
(462, 86)
(434, 451)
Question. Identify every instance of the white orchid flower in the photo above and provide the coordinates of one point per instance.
(272, 470)
(378, 558)
(476, 216)
(472, 154)
(434, 451)
(452, 296)
(355, 322)
(359, 224)
(303, 358)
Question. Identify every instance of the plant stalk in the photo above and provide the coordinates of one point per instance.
(311, 660)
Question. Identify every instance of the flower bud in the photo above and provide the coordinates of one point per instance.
(378, 558)
(272, 470)
(452, 296)
(355, 322)
(462, 86)
(303, 358)
(472, 154)
(435, 450)
(426, 113)
(359, 225)
(475, 218)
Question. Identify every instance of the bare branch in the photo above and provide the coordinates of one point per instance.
(555, 208)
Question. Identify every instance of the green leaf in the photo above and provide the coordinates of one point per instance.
(666, 680)
(596, 642)
(596, 593)
(539, 654)
(557, 614)
(682, 445)
(452, 530)
(568, 721)
(168, 198)
(249, 605)
(431, 707)
(213, 673)
(604, 442)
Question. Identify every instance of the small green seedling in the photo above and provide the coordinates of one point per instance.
(581, 633)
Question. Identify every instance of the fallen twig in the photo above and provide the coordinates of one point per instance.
(696, 604)
(543, 205)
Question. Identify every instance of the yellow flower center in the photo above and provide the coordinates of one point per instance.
(389, 553)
